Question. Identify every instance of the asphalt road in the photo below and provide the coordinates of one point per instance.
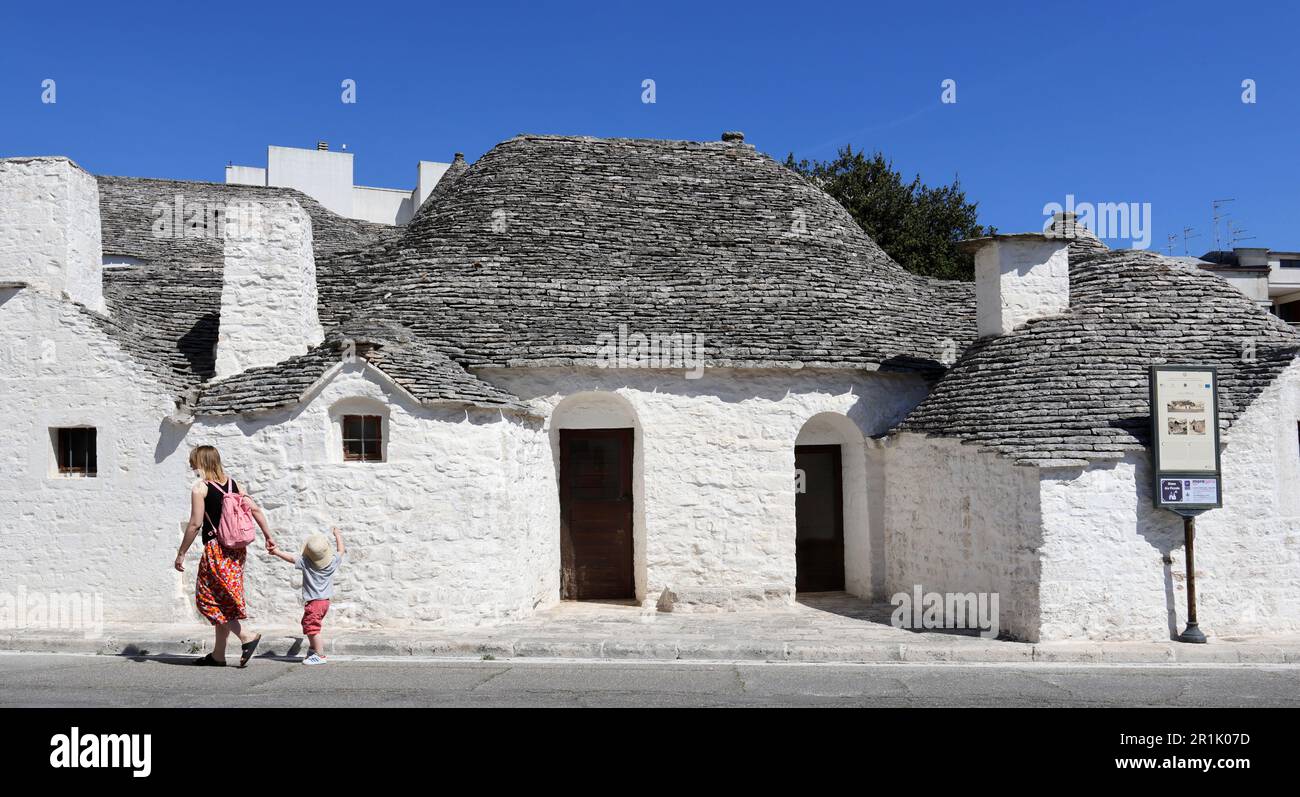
(79, 681)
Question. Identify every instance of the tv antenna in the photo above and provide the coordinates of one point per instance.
(1235, 234)
(1173, 236)
(1219, 216)
(1187, 236)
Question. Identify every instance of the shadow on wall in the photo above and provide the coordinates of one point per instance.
(1162, 530)
(170, 435)
(199, 345)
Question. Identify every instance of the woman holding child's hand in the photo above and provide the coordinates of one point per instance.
(219, 590)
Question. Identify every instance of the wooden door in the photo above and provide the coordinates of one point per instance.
(596, 514)
(819, 520)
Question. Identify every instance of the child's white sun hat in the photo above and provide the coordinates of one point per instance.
(318, 550)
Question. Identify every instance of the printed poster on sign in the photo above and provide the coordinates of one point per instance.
(1185, 421)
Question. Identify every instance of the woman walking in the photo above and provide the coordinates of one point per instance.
(219, 593)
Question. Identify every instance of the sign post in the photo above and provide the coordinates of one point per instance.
(1185, 457)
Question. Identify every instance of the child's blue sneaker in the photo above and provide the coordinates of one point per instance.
(314, 659)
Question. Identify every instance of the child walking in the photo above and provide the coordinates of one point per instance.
(318, 565)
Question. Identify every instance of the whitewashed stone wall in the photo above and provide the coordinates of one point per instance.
(961, 520)
(715, 525)
(442, 532)
(49, 228)
(1113, 566)
(268, 293)
(112, 535)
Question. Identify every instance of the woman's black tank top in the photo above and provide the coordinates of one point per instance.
(212, 508)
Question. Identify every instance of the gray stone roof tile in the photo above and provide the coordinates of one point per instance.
(1072, 388)
(548, 242)
(427, 375)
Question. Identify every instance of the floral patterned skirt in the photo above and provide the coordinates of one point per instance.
(220, 590)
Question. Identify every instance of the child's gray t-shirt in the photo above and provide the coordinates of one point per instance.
(317, 582)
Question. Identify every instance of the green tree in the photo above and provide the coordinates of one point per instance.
(918, 226)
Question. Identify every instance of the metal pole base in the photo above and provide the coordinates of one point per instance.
(1192, 634)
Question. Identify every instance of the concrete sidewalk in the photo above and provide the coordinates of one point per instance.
(820, 628)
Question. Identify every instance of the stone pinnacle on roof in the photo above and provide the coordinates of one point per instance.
(454, 171)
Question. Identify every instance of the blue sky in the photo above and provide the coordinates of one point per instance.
(1108, 101)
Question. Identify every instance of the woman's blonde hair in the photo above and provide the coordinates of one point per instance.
(207, 461)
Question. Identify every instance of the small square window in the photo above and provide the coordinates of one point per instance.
(74, 451)
(363, 438)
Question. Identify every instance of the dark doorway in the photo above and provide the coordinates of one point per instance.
(819, 520)
(596, 514)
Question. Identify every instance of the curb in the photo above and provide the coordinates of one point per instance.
(289, 643)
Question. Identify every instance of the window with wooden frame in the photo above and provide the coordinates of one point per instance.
(74, 451)
(363, 438)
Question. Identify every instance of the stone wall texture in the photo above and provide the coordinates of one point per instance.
(112, 534)
(961, 520)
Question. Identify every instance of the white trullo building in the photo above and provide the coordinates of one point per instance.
(588, 369)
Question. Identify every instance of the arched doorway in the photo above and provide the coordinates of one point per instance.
(819, 519)
(830, 500)
(595, 442)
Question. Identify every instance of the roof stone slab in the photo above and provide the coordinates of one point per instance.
(1072, 389)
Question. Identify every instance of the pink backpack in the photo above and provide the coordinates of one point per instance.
(236, 527)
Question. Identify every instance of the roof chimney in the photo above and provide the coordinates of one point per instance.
(1019, 278)
(459, 158)
(268, 293)
(49, 229)
(733, 137)
(322, 146)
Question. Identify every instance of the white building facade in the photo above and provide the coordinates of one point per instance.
(506, 464)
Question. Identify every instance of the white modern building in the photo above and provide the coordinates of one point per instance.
(327, 177)
(1269, 276)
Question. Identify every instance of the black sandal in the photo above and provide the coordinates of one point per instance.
(208, 661)
(248, 648)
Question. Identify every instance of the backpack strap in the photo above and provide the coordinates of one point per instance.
(205, 511)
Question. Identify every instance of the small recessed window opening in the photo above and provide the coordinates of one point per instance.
(363, 438)
(74, 451)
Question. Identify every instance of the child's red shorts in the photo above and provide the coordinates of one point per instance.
(312, 614)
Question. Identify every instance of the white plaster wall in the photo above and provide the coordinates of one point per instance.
(1113, 565)
(322, 175)
(427, 173)
(268, 293)
(716, 465)
(961, 520)
(49, 228)
(443, 532)
(1019, 279)
(381, 205)
(113, 535)
(245, 175)
(1254, 285)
